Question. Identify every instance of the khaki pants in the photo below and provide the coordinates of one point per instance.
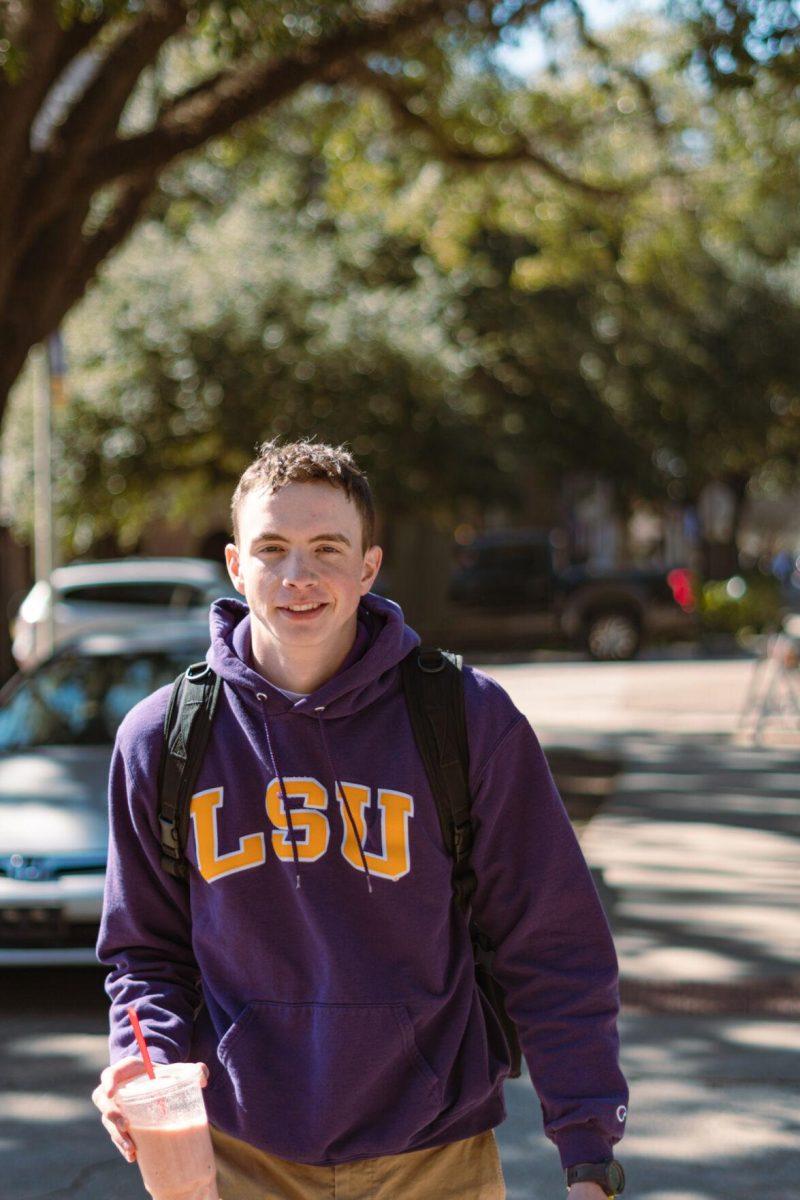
(465, 1170)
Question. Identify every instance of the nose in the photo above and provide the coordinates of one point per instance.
(298, 571)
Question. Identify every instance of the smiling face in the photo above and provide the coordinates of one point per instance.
(301, 566)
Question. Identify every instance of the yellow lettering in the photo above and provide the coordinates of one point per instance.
(212, 864)
(311, 828)
(395, 809)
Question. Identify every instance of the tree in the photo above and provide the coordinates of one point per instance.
(313, 229)
(739, 41)
(386, 261)
(89, 123)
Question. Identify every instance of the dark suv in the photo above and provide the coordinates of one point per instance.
(607, 611)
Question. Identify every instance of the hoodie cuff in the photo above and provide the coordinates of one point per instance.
(581, 1145)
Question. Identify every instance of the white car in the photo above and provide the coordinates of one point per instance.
(57, 727)
(160, 594)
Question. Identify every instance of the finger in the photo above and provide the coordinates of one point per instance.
(120, 1072)
(204, 1074)
(121, 1140)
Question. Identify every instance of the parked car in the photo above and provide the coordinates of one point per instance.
(57, 727)
(118, 595)
(607, 612)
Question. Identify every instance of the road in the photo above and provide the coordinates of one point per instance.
(696, 859)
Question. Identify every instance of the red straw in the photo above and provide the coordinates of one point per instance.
(145, 1053)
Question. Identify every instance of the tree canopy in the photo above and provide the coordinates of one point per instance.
(339, 268)
(92, 115)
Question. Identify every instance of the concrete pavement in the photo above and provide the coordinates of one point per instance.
(696, 857)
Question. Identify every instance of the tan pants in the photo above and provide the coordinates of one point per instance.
(465, 1170)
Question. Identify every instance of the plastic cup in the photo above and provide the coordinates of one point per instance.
(169, 1127)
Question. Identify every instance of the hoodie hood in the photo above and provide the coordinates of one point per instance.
(382, 640)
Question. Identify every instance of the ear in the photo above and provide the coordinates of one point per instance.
(370, 568)
(233, 564)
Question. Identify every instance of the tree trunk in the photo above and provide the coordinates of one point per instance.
(16, 577)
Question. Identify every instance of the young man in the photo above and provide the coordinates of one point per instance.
(316, 961)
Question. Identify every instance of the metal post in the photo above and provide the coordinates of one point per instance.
(42, 491)
(48, 363)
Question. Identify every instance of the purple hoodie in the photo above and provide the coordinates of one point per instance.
(316, 961)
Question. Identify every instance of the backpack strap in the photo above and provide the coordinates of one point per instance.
(434, 688)
(187, 726)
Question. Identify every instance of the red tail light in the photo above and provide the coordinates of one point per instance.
(681, 586)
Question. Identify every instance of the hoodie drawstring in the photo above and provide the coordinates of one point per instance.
(340, 792)
(292, 836)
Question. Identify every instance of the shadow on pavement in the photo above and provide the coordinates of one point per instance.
(697, 858)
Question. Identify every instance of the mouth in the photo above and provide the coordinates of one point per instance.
(303, 612)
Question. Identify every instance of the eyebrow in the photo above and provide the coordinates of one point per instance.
(318, 537)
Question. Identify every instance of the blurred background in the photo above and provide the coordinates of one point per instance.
(537, 264)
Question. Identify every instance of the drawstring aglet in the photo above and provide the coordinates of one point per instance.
(297, 884)
(369, 884)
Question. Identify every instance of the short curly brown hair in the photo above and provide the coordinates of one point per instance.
(305, 462)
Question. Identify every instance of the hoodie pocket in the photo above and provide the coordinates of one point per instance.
(321, 1082)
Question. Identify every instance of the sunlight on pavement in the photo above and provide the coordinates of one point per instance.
(687, 1120)
(680, 1196)
(91, 1046)
(739, 886)
(713, 1107)
(772, 1035)
(676, 696)
(42, 1107)
(684, 962)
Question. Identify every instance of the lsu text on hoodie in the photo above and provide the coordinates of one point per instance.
(316, 960)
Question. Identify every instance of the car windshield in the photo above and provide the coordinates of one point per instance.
(80, 700)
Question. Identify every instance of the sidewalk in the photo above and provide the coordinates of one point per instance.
(697, 859)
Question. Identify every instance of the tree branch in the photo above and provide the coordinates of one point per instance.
(642, 85)
(521, 151)
(47, 49)
(206, 111)
(94, 117)
(113, 230)
(43, 297)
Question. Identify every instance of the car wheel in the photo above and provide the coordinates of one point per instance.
(613, 636)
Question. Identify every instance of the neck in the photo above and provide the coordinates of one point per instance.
(299, 668)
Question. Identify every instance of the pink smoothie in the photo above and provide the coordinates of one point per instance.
(176, 1161)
